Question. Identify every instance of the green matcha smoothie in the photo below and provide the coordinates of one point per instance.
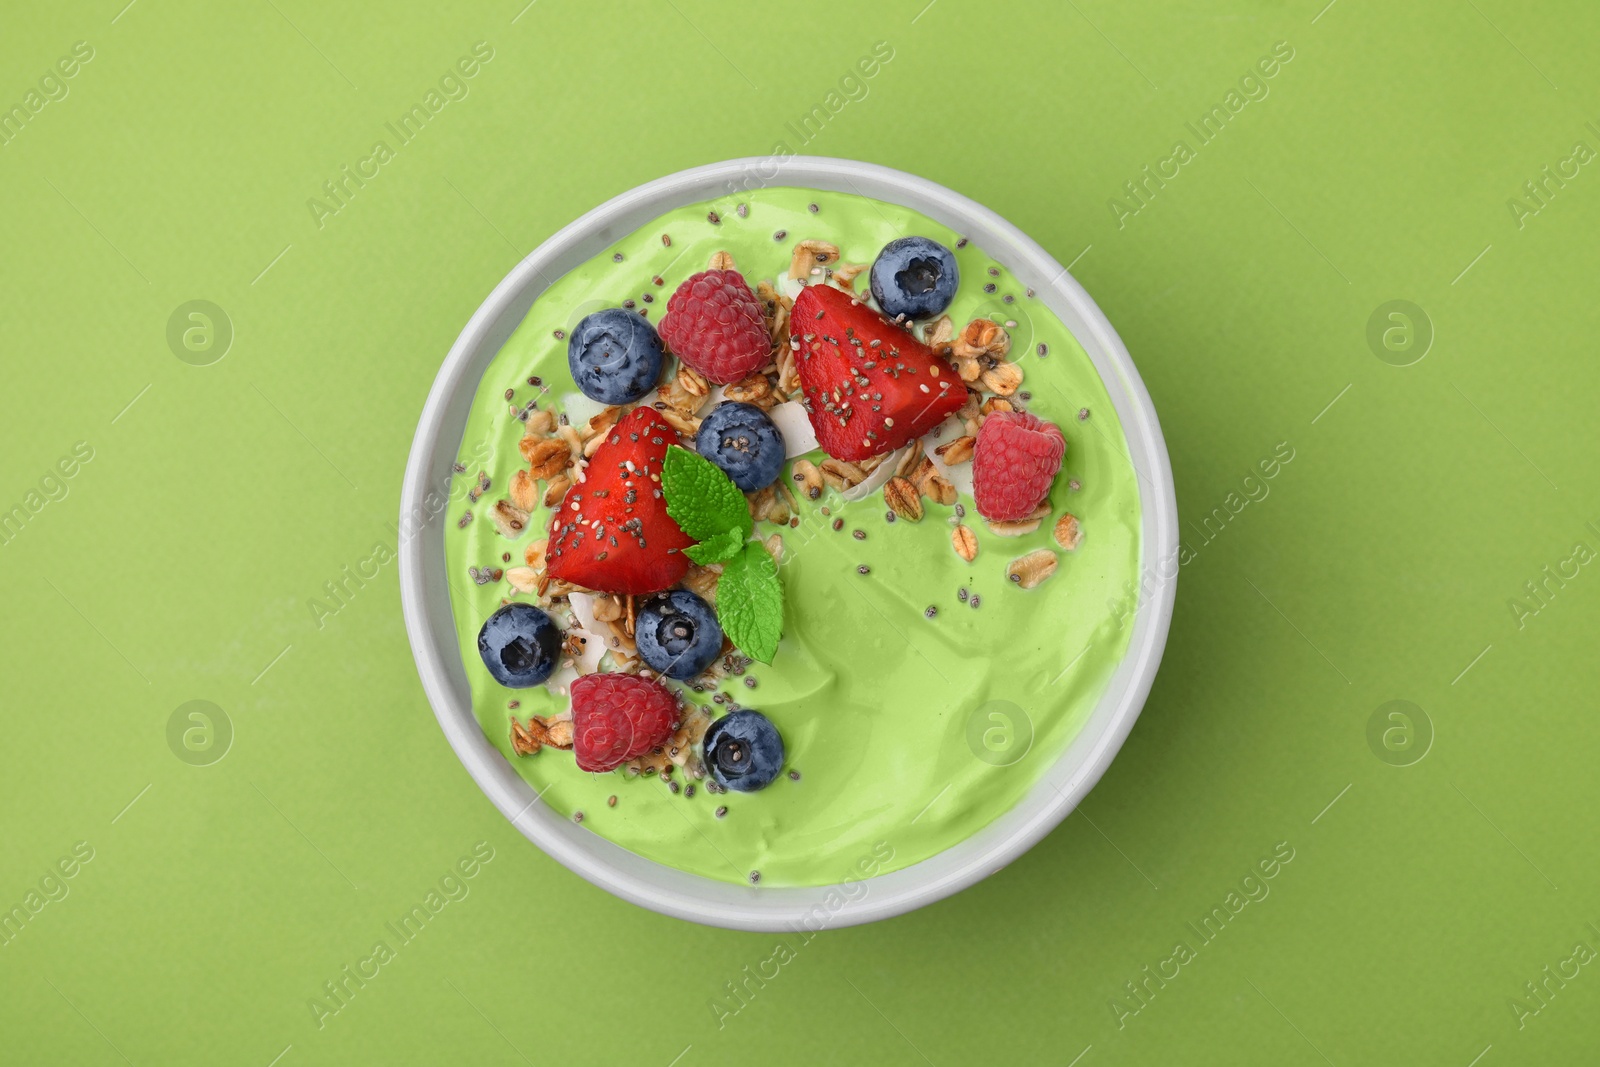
(919, 700)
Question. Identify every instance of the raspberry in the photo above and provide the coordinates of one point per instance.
(1015, 460)
(714, 323)
(618, 717)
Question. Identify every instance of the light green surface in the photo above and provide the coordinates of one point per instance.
(1382, 565)
(883, 710)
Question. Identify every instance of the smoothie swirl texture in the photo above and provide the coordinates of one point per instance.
(910, 730)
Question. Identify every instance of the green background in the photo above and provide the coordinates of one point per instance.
(1383, 564)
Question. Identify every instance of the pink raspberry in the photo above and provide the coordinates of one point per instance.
(714, 323)
(619, 717)
(1014, 462)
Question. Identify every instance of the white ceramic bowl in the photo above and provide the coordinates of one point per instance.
(432, 631)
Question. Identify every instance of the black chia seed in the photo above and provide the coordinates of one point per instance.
(722, 812)
(755, 877)
(863, 569)
(577, 817)
(813, 208)
(961, 594)
(750, 682)
(975, 600)
(616, 257)
(794, 776)
(859, 535)
(930, 611)
(1083, 413)
(989, 287)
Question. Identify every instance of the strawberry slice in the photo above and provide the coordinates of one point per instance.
(612, 532)
(868, 385)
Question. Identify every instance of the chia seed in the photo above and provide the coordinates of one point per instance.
(1008, 299)
(859, 535)
(974, 601)
(889, 516)
(629, 304)
(536, 381)
(560, 334)
(658, 280)
(838, 524)
(994, 272)
(750, 682)
(666, 240)
(863, 569)
(722, 812)
(755, 876)
(688, 791)
(930, 611)
(780, 235)
(674, 787)
(1074, 485)
(813, 208)
(961, 243)
(743, 210)
(577, 817)
(961, 511)
(510, 393)
(514, 705)
(989, 287)
(794, 776)
(649, 298)
(611, 801)
(961, 594)
(1083, 413)
(505, 557)
(713, 218)
(1024, 396)
(616, 257)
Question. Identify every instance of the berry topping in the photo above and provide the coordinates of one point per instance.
(869, 386)
(619, 717)
(519, 644)
(743, 441)
(612, 533)
(715, 324)
(615, 356)
(1014, 462)
(914, 277)
(744, 751)
(678, 634)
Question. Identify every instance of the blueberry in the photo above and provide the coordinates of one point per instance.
(519, 644)
(743, 441)
(915, 277)
(615, 356)
(744, 751)
(678, 634)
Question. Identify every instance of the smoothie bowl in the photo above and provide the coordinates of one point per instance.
(781, 544)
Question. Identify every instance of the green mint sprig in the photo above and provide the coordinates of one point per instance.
(708, 507)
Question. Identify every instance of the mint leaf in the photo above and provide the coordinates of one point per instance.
(718, 548)
(750, 602)
(700, 498)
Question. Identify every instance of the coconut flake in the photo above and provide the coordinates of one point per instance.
(795, 425)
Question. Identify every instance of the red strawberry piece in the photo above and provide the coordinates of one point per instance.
(619, 717)
(612, 532)
(1014, 462)
(715, 324)
(868, 385)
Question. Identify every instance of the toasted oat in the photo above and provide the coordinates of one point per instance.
(676, 396)
(808, 478)
(755, 389)
(774, 547)
(607, 608)
(702, 581)
(1028, 571)
(812, 257)
(533, 554)
(844, 275)
(968, 367)
(721, 261)
(509, 520)
(556, 489)
(558, 733)
(965, 542)
(573, 439)
(1003, 378)
(540, 422)
(1068, 534)
(788, 374)
(547, 457)
(1019, 527)
(841, 474)
(956, 452)
(692, 381)
(994, 404)
(523, 579)
(524, 490)
(872, 463)
(903, 499)
(776, 308)
(972, 407)
(941, 332)
(910, 461)
(529, 739)
(933, 485)
(687, 425)
(599, 425)
(982, 337)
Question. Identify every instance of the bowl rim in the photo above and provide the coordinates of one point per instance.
(430, 625)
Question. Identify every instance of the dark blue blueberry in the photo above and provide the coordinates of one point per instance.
(678, 634)
(742, 440)
(519, 644)
(744, 751)
(915, 277)
(615, 356)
